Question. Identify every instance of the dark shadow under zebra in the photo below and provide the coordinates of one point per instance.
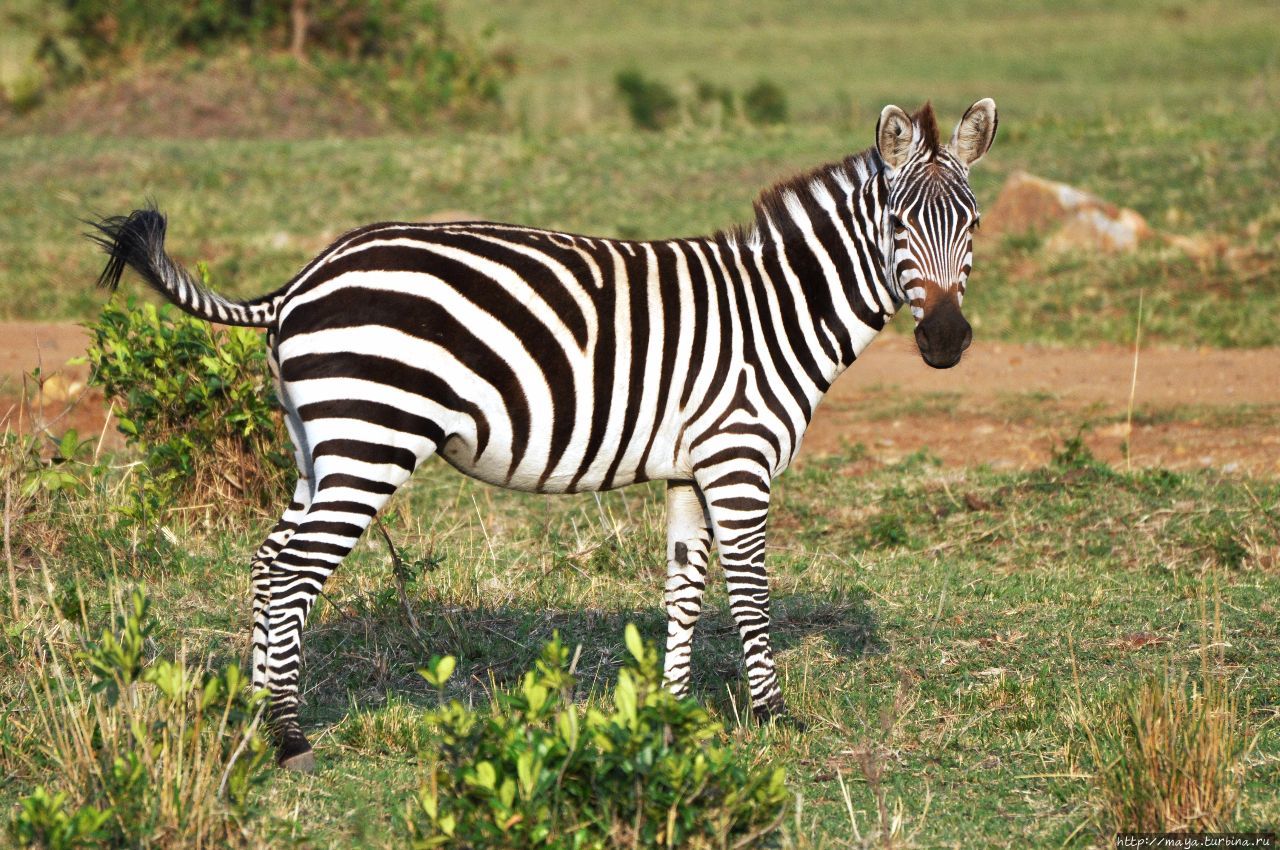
(558, 363)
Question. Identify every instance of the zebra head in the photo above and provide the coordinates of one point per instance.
(928, 220)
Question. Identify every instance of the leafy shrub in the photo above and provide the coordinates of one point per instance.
(142, 752)
(47, 483)
(536, 770)
(197, 401)
(765, 103)
(651, 103)
(712, 105)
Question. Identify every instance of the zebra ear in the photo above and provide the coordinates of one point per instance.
(893, 135)
(975, 132)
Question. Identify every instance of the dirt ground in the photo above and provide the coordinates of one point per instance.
(1006, 405)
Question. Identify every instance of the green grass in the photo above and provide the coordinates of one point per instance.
(970, 592)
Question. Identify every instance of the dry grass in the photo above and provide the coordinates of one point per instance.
(1170, 755)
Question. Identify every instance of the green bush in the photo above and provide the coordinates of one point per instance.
(765, 103)
(197, 401)
(140, 751)
(651, 103)
(536, 770)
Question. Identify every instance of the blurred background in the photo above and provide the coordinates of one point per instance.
(265, 129)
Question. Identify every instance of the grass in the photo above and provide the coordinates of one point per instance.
(945, 601)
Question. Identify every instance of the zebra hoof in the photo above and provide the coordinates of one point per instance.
(295, 754)
(304, 762)
(768, 715)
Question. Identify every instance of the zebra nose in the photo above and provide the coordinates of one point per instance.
(943, 336)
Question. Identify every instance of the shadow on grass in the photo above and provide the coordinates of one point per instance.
(367, 653)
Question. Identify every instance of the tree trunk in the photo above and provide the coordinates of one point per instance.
(298, 14)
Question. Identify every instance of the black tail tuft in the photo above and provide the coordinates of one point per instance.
(135, 240)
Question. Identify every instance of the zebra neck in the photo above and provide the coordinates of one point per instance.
(816, 245)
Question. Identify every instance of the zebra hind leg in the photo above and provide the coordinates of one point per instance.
(260, 582)
(349, 493)
(688, 546)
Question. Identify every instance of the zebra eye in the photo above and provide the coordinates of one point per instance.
(977, 221)
(896, 222)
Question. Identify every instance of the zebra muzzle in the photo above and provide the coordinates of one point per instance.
(943, 334)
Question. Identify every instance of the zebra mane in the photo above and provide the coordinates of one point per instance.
(926, 124)
(772, 207)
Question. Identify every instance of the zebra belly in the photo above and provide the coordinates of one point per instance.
(494, 467)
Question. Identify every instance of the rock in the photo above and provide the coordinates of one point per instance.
(60, 388)
(1070, 218)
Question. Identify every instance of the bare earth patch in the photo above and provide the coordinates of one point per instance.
(1007, 405)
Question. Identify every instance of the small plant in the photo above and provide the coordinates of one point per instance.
(43, 821)
(197, 401)
(536, 770)
(765, 103)
(65, 471)
(140, 751)
(887, 531)
(651, 103)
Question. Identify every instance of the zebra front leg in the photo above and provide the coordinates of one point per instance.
(349, 493)
(687, 553)
(737, 498)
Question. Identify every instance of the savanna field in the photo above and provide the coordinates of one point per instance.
(985, 647)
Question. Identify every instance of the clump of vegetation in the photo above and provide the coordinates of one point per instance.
(886, 531)
(709, 96)
(765, 103)
(196, 401)
(651, 103)
(654, 105)
(135, 751)
(535, 770)
(1169, 755)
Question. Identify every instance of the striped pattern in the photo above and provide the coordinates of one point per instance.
(558, 363)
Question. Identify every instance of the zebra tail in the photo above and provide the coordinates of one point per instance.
(137, 241)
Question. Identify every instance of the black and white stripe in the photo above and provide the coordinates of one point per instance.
(559, 363)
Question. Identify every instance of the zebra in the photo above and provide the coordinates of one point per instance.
(559, 363)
